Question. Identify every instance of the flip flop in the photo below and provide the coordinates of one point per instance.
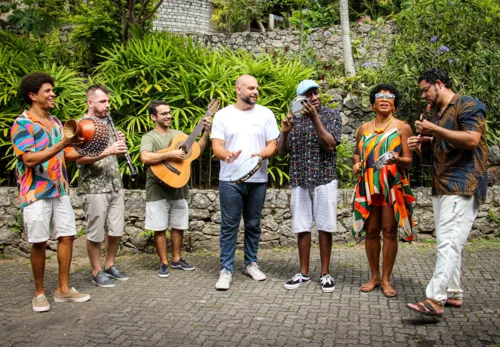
(369, 287)
(426, 308)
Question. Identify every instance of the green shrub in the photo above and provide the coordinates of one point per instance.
(188, 76)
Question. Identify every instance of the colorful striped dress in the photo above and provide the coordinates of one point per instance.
(390, 181)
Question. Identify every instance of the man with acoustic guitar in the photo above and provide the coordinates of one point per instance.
(166, 206)
(242, 131)
(459, 181)
(103, 202)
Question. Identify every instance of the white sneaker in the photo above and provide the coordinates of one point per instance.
(224, 280)
(40, 303)
(253, 271)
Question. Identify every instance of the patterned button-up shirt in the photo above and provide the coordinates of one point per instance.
(311, 165)
(458, 171)
(102, 176)
(48, 179)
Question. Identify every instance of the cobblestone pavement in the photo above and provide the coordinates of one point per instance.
(185, 308)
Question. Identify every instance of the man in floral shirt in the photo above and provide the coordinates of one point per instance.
(42, 179)
(311, 140)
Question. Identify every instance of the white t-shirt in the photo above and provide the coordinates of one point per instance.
(245, 130)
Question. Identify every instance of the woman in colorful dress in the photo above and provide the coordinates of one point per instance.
(382, 198)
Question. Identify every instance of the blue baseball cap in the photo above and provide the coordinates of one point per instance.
(305, 85)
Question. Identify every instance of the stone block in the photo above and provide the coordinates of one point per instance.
(9, 237)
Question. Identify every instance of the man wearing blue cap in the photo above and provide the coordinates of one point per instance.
(311, 139)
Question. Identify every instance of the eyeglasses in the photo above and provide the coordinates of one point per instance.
(425, 89)
(385, 96)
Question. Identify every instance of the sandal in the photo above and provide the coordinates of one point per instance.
(450, 303)
(388, 290)
(424, 307)
(370, 286)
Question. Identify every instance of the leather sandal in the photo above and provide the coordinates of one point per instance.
(388, 293)
(370, 286)
(424, 307)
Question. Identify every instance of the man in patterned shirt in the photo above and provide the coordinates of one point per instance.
(311, 140)
(42, 180)
(100, 189)
(459, 181)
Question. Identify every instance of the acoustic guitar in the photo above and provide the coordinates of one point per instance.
(426, 142)
(176, 173)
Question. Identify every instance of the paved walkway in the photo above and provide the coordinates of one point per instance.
(185, 309)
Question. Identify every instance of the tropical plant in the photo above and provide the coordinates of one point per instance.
(19, 57)
(188, 76)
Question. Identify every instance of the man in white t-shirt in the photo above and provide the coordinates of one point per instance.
(241, 131)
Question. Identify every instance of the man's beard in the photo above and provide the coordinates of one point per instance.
(246, 100)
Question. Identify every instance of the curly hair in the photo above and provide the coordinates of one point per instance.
(435, 74)
(389, 88)
(32, 83)
(152, 108)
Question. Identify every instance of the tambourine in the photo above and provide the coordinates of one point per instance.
(93, 130)
(296, 105)
(246, 169)
(380, 163)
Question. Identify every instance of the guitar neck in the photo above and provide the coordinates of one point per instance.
(194, 134)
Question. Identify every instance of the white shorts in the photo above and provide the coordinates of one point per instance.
(104, 212)
(162, 215)
(318, 204)
(42, 216)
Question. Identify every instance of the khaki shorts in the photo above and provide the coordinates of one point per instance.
(42, 216)
(104, 211)
(318, 204)
(162, 215)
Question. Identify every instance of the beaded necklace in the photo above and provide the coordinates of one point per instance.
(381, 130)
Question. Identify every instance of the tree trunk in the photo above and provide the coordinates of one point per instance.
(261, 26)
(346, 40)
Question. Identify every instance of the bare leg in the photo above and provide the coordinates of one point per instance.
(389, 249)
(372, 247)
(325, 251)
(304, 243)
(112, 244)
(94, 252)
(161, 246)
(64, 255)
(38, 265)
(176, 237)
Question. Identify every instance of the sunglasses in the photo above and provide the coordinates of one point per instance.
(385, 96)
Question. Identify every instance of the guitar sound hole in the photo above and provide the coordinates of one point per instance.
(184, 149)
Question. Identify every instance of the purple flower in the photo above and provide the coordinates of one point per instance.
(452, 61)
(452, 2)
(368, 64)
(443, 49)
(434, 38)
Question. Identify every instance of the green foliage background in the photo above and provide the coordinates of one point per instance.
(460, 36)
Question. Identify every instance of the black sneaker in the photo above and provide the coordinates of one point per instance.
(163, 271)
(102, 280)
(297, 281)
(327, 283)
(115, 273)
(181, 264)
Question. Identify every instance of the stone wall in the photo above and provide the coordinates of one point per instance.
(204, 222)
(184, 16)
(370, 42)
